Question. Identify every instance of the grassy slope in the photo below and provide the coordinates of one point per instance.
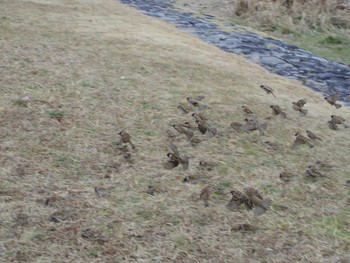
(332, 43)
(107, 68)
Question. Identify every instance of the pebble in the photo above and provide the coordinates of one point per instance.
(318, 73)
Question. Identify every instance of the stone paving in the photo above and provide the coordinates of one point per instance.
(320, 74)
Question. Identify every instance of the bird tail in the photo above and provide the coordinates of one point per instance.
(273, 94)
(304, 111)
(211, 132)
(184, 163)
(310, 145)
(263, 126)
(261, 132)
(337, 105)
(332, 125)
(266, 203)
(189, 135)
(202, 106)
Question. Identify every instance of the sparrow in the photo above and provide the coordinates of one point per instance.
(199, 116)
(296, 107)
(101, 192)
(194, 141)
(125, 138)
(253, 124)
(203, 127)
(272, 145)
(260, 205)
(199, 97)
(332, 125)
(323, 164)
(195, 103)
(93, 235)
(205, 195)
(312, 136)
(236, 126)
(286, 176)
(276, 110)
(188, 125)
(170, 134)
(237, 199)
(191, 178)
(184, 109)
(174, 159)
(300, 139)
(313, 171)
(180, 129)
(300, 103)
(332, 99)
(204, 165)
(267, 89)
(247, 110)
(339, 120)
(151, 189)
(244, 228)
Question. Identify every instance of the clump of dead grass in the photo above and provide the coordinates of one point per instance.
(293, 16)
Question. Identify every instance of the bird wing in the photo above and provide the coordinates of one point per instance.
(173, 147)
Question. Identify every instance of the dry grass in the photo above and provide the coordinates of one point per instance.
(91, 68)
(288, 16)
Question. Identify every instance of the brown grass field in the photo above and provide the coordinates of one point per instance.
(74, 73)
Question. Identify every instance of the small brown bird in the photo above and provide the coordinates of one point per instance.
(125, 138)
(247, 110)
(244, 228)
(184, 109)
(199, 116)
(313, 171)
(101, 192)
(170, 134)
(260, 205)
(180, 129)
(238, 198)
(188, 125)
(236, 126)
(300, 139)
(203, 127)
(196, 104)
(272, 145)
(253, 124)
(301, 102)
(199, 97)
(332, 125)
(151, 189)
(312, 136)
(205, 195)
(332, 99)
(268, 89)
(276, 110)
(296, 107)
(323, 164)
(286, 176)
(208, 166)
(194, 141)
(339, 120)
(174, 159)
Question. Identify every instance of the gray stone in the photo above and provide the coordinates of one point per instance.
(271, 61)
